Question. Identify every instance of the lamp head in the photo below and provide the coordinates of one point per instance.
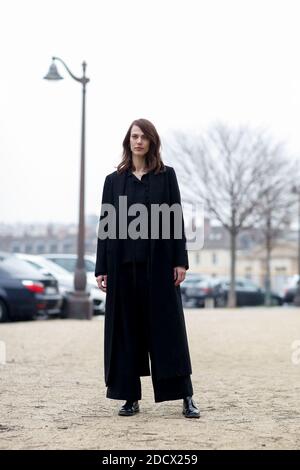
(53, 73)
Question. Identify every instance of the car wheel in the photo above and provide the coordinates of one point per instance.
(63, 311)
(276, 302)
(3, 312)
(220, 302)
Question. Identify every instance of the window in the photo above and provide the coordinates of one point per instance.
(89, 265)
(67, 247)
(215, 236)
(249, 286)
(67, 263)
(280, 269)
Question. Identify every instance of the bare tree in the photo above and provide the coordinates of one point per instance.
(230, 171)
(275, 212)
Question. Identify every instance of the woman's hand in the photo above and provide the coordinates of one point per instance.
(179, 274)
(100, 279)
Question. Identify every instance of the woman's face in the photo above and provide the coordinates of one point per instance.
(139, 143)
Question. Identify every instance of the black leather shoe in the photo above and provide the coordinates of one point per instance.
(129, 408)
(190, 409)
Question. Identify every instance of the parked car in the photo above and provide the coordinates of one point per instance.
(290, 289)
(197, 290)
(247, 292)
(25, 292)
(68, 261)
(190, 280)
(65, 280)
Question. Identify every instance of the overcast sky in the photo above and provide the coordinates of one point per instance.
(180, 63)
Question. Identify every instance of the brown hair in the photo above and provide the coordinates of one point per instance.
(152, 158)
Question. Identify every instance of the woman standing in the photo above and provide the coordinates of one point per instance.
(141, 277)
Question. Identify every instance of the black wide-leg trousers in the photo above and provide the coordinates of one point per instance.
(131, 342)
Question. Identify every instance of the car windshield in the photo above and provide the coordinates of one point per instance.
(206, 283)
(16, 268)
(194, 277)
(66, 263)
(192, 280)
(243, 284)
(44, 264)
(70, 263)
(90, 265)
(52, 267)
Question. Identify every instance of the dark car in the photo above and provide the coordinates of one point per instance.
(198, 289)
(247, 293)
(25, 293)
(190, 280)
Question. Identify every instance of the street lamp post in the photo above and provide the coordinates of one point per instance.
(79, 304)
(296, 190)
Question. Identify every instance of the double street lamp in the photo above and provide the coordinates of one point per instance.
(79, 304)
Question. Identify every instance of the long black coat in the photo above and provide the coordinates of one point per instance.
(167, 326)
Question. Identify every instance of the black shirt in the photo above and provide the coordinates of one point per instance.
(137, 191)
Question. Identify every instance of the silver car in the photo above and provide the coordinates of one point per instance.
(65, 280)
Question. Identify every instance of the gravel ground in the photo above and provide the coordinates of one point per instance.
(245, 383)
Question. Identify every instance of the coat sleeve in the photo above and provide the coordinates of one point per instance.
(101, 256)
(180, 255)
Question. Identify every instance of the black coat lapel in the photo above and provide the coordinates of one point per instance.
(156, 187)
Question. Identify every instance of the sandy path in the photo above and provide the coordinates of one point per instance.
(248, 389)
